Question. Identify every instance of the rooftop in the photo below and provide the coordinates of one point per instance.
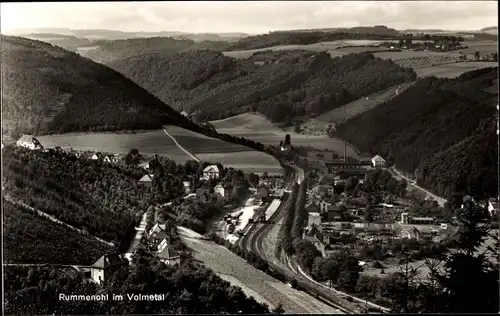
(110, 260)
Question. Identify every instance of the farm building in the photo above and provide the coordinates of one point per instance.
(107, 266)
(30, 142)
(211, 172)
(147, 180)
(378, 161)
(219, 189)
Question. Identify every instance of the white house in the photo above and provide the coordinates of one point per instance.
(219, 189)
(107, 265)
(211, 172)
(184, 113)
(378, 161)
(30, 142)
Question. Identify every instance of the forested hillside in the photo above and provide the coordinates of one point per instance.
(109, 51)
(30, 238)
(314, 36)
(442, 130)
(48, 89)
(281, 85)
(99, 198)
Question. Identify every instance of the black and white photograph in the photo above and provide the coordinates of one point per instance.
(249, 157)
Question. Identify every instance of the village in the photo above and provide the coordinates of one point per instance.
(352, 205)
(358, 206)
(244, 198)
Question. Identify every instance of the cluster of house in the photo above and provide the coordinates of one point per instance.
(158, 242)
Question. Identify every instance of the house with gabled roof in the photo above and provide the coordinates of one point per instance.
(97, 156)
(110, 158)
(168, 255)
(156, 229)
(30, 142)
(107, 265)
(147, 180)
(378, 161)
(211, 172)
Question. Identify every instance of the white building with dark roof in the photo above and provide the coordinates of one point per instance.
(211, 172)
(30, 142)
(378, 161)
(107, 265)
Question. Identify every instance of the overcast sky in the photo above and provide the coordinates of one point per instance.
(249, 16)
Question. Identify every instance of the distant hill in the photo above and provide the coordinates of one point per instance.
(46, 89)
(442, 130)
(103, 34)
(109, 51)
(490, 30)
(279, 84)
(378, 30)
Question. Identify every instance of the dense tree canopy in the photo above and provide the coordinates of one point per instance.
(109, 51)
(100, 198)
(441, 130)
(48, 89)
(293, 83)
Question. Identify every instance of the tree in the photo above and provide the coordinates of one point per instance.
(477, 55)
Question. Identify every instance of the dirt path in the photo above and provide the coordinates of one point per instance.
(180, 146)
(55, 220)
(441, 201)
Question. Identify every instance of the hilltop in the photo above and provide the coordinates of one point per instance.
(441, 130)
(109, 51)
(47, 89)
(281, 85)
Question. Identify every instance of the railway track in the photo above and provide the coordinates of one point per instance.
(254, 241)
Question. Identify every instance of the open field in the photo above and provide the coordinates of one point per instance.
(256, 127)
(147, 142)
(428, 61)
(453, 70)
(320, 124)
(228, 154)
(224, 262)
(247, 161)
(200, 144)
